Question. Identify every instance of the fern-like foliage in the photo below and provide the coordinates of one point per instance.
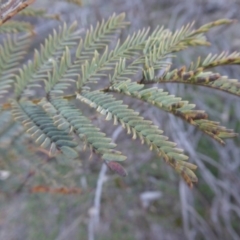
(42, 129)
(197, 75)
(176, 106)
(17, 27)
(37, 69)
(42, 13)
(68, 117)
(144, 129)
(12, 50)
(54, 120)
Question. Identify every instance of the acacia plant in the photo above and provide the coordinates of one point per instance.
(40, 99)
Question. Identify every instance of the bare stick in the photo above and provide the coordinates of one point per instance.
(94, 211)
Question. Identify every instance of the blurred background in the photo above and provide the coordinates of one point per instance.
(152, 202)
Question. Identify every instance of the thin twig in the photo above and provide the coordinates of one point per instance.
(23, 184)
(94, 211)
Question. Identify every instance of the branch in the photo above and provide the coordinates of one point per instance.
(11, 8)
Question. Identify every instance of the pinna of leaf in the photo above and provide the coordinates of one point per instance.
(56, 123)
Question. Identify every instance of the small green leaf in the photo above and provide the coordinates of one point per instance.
(69, 152)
